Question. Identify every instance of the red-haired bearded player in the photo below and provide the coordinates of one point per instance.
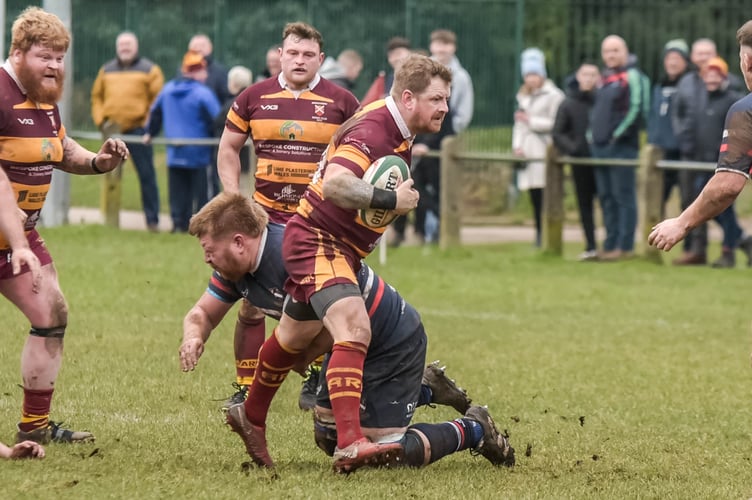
(33, 142)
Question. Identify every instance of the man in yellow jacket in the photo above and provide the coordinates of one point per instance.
(121, 96)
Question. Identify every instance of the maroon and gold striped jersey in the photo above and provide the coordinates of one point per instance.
(289, 133)
(376, 131)
(31, 145)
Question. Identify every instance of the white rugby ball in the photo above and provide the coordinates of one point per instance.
(387, 172)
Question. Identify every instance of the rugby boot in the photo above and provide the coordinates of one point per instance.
(444, 390)
(253, 436)
(55, 433)
(493, 446)
(366, 453)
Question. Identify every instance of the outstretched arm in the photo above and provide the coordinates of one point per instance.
(719, 193)
(198, 324)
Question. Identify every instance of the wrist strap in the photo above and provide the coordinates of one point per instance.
(93, 164)
(384, 199)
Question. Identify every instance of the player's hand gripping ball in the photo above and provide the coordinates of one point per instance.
(387, 172)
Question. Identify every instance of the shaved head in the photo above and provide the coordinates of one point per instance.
(614, 51)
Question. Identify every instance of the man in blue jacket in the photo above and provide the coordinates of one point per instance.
(187, 108)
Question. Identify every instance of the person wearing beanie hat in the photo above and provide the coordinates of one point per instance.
(659, 125)
(186, 108)
(533, 61)
(538, 101)
(678, 45)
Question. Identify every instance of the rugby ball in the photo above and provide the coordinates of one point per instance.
(387, 172)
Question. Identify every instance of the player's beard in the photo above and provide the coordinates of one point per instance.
(40, 90)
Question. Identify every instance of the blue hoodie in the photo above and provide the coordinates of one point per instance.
(187, 109)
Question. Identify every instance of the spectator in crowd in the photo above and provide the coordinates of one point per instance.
(216, 72)
(344, 70)
(427, 169)
(660, 128)
(273, 65)
(614, 133)
(710, 124)
(538, 100)
(397, 50)
(216, 80)
(570, 137)
(734, 162)
(238, 79)
(32, 83)
(121, 96)
(186, 108)
(287, 159)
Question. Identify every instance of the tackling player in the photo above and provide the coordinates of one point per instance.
(246, 256)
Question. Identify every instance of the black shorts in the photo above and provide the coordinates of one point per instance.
(391, 383)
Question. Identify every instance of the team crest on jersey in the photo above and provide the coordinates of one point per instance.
(47, 150)
(319, 108)
(291, 130)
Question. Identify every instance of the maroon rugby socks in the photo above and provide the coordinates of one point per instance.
(249, 337)
(344, 378)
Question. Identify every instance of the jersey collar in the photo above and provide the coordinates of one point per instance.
(392, 107)
(262, 245)
(311, 85)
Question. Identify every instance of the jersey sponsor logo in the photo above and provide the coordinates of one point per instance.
(291, 130)
(269, 107)
(48, 149)
(25, 121)
(286, 194)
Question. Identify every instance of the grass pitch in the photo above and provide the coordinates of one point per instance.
(624, 380)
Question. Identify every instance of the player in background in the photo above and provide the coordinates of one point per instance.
(33, 142)
(246, 257)
(290, 120)
(322, 250)
(734, 162)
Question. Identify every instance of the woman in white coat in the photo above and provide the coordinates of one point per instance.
(537, 102)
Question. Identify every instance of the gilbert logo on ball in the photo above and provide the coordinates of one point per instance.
(387, 172)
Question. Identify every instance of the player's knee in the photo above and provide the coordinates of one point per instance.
(414, 449)
(54, 332)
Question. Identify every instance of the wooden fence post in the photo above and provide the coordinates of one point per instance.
(110, 194)
(450, 197)
(651, 195)
(553, 204)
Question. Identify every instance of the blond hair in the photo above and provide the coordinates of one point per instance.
(37, 26)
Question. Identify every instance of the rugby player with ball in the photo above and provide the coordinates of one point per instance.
(323, 245)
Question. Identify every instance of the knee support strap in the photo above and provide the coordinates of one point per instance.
(54, 332)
